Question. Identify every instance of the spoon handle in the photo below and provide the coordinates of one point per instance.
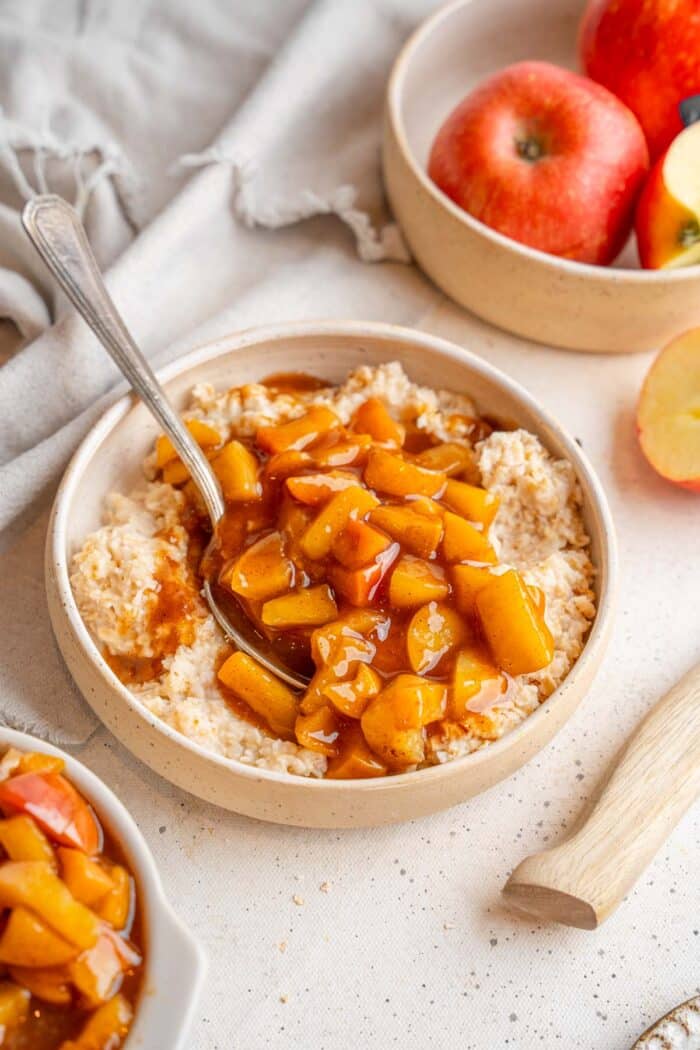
(654, 781)
(58, 235)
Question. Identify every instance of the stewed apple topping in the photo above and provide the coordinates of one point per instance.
(362, 551)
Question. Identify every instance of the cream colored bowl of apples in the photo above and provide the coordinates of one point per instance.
(540, 180)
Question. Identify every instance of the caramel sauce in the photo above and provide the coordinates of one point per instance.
(293, 383)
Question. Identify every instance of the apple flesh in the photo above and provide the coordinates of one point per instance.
(668, 414)
(647, 52)
(545, 157)
(668, 213)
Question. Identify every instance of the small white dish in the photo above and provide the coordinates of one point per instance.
(542, 297)
(110, 459)
(174, 963)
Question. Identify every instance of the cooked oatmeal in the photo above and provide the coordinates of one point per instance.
(136, 584)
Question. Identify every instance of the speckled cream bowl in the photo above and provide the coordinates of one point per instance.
(110, 459)
(539, 296)
(175, 964)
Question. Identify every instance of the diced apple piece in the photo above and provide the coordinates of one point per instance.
(351, 452)
(23, 839)
(59, 810)
(449, 458)
(14, 1006)
(518, 636)
(350, 698)
(359, 586)
(313, 489)
(463, 542)
(50, 985)
(262, 571)
(34, 885)
(293, 520)
(353, 502)
(86, 878)
(175, 473)
(471, 502)
(117, 905)
(668, 413)
(354, 759)
(267, 695)
(105, 1028)
(467, 581)
(299, 433)
(373, 418)
(476, 684)
(237, 470)
(28, 941)
(390, 473)
(416, 582)
(359, 544)
(394, 720)
(97, 972)
(319, 730)
(434, 631)
(10, 762)
(284, 464)
(350, 629)
(38, 762)
(307, 607)
(418, 533)
(205, 435)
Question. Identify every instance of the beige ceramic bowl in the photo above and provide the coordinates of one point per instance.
(110, 459)
(525, 291)
(175, 964)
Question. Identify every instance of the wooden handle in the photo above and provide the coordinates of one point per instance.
(654, 780)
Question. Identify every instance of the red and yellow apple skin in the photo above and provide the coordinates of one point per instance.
(668, 213)
(547, 158)
(647, 52)
(668, 413)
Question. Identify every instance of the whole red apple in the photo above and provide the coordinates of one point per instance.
(546, 157)
(648, 53)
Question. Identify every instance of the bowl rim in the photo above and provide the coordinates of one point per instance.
(158, 914)
(394, 94)
(57, 561)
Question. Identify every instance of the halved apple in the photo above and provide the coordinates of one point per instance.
(668, 414)
(668, 213)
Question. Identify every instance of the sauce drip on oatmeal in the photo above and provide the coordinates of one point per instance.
(361, 550)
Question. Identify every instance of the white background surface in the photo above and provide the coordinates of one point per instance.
(410, 944)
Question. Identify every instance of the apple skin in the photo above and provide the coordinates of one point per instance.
(668, 412)
(547, 158)
(647, 52)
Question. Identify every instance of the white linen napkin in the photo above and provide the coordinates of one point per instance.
(116, 107)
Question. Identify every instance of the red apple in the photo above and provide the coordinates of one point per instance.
(668, 213)
(668, 414)
(546, 157)
(648, 53)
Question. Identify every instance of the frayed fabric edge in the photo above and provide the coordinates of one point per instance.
(44, 145)
(383, 244)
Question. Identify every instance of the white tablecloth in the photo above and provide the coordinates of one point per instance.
(401, 938)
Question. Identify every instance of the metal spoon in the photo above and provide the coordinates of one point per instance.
(60, 238)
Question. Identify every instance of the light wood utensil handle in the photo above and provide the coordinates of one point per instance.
(654, 780)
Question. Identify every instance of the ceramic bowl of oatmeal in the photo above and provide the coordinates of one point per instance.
(436, 558)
